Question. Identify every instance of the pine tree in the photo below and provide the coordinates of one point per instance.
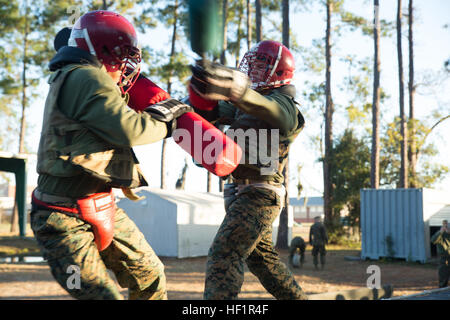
(403, 183)
(412, 158)
(375, 153)
(282, 237)
(329, 110)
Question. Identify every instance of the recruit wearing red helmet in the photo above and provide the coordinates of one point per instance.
(112, 39)
(269, 64)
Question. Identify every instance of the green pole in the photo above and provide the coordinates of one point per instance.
(21, 196)
(19, 167)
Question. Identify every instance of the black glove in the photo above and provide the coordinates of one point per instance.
(214, 81)
(168, 111)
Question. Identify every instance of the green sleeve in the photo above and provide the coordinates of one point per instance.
(90, 96)
(277, 109)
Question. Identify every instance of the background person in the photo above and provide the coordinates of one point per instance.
(298, 246)
(318, 238)
(442, 241)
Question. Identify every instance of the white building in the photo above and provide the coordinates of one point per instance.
(178, 223)
(305, 209)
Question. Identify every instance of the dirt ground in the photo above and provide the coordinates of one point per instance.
(185, 277)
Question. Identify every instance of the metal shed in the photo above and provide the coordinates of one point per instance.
(179, 223)
(397, 222)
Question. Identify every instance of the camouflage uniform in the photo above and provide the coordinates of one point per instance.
(68, 241)
(318, 239)
(442, 242)
(253, 202)
(85, 148)
(297, 245)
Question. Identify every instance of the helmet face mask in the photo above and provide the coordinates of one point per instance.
(130, 68)
(112, 39)
(269, 64)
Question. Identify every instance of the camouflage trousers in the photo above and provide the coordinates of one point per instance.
(245, 236)
(319, 250)
(68, 245)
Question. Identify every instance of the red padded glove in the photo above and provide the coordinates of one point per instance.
(145, 93)
(199, 102)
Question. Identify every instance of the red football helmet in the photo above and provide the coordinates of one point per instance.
(112, 39)
(269, 64)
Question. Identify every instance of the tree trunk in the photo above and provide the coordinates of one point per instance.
(249, 25)
(174, 38)
(238, 32)
(24, 83)
(403, 129)
(208, 181)
(327, 192)
(285, 12)
(225, 30)
(223, 61)
(283, 229)
(282, 237)
(412, 158)
(163, 166)
(169, 89)
(221, 181)
(375, 157)
(181, 182)
(258, 16)
(15, 212)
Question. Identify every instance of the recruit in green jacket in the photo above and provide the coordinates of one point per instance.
(87, 134)
(274, 109)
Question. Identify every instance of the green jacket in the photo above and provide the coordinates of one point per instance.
(87, 134)
(442, 242)
(274, 109)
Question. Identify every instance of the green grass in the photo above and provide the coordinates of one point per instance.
(350, 245)
(13, 245)
(16, 246)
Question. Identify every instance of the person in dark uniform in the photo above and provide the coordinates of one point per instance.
(442, 241)
(318, 238)
(298, 246)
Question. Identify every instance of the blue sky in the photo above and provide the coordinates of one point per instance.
(432, 47)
